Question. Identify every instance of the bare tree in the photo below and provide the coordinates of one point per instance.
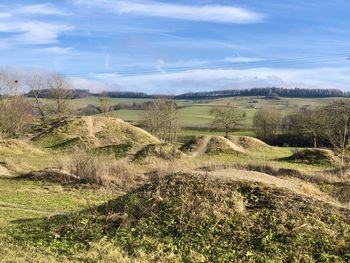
(336, 118)
(267, 122)
(60, 90)
(226, 117)
(306, 123)
(173, 123)
(38, 84)
(161, 119)
(15, 110)
(104, 103)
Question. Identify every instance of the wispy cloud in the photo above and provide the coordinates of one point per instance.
(206, 13)
(57, 50)
(234, 59)
(40, 9)
(5, 15)
(24, 25)
(32, 32)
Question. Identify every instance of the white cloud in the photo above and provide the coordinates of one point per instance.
(206, 13)
(242, 59)
(92, 85)
(39, 9)
(32, 32)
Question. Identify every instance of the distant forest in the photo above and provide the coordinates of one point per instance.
(266, 92)
(272, 92)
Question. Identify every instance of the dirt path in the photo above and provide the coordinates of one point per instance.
(90, 125)
(298, 187)
(234, 146)
(136, 149)
(202, 148)
(4, 171)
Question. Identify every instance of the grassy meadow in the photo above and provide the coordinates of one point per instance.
(194, 114)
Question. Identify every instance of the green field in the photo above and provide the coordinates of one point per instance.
(195, 113)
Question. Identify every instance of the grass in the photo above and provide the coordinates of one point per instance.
(187, 218)
(45, 198)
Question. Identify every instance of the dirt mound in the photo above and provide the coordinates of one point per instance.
(248, 143)
(158, 151)
(211, 145)
(52, 175)
(17, 147)
(91, 132)
(195, 218)
(314, 156)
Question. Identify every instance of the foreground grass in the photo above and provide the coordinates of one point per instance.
(188, 218)
(23, 199)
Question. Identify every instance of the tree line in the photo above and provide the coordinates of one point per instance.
(266, 92)
(327, 126)
(261, 92)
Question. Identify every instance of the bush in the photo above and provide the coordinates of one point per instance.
(85, 166)
(102, 171)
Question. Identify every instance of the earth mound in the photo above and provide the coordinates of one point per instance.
(51, 175)
(211, 145)
(91, 132)
(162, 151)
(248, 143)
(314, 156)
(196, 218)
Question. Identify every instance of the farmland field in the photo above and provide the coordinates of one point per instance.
(195, 113)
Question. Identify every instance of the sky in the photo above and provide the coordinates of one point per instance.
(179, 46)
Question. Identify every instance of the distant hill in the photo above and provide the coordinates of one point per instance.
(269, 92)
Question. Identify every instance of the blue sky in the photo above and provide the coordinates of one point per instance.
(179, 46)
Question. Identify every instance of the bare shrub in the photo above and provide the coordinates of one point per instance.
(85, 166)
(103, 171)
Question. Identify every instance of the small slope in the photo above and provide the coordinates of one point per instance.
(297, 186)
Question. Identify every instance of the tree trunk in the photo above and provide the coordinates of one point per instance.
(315, 141)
